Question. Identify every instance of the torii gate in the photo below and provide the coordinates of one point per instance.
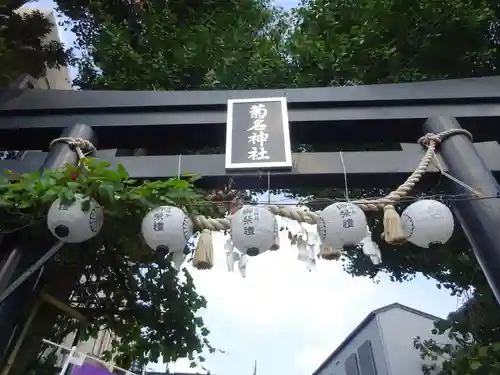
(161, 121)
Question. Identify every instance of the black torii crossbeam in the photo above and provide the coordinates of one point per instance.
(163, 120)
(165, 124)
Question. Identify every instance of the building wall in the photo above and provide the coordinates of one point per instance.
(350, 353)
(398, 328)
(55, 79)
(93, 346)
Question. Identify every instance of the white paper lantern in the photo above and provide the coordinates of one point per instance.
(342, 224)
(427, 222)
(167, 229)
(69, 223)
(253, 230)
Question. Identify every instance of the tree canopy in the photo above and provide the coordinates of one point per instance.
(185, 45)
(114, 280)
(383, 41)
(336, 42)
(240, 44)
(23, 45)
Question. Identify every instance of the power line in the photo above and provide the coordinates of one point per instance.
(408, 199)
(444, 198)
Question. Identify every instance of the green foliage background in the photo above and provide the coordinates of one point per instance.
(239, 44)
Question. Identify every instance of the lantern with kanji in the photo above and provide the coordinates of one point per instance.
(341, 224)
(253, 230)
(167, 229)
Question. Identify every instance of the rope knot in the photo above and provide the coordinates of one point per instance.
(76, 144)
(83, 144)
(427, 139)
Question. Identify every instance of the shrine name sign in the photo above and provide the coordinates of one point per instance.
(257, 134)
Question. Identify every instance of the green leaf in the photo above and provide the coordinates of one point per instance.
(122, 172)
(49, 196)
(475, 365)
(66, 195)
(73, 185)
(483, 351)
(86, 205)
(107, 192)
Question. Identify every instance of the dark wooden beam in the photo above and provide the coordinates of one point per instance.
(68, 310)
(482, 89)
(30, 119)
(198, 129)
(365, 169)
(299, 117)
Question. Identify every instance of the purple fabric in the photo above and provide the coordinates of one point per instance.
(87, 369)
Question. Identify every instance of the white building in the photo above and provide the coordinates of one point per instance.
(382, 344)
(93, 346)
(55, 79)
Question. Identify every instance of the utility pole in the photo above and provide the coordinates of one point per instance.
(20, 253)
(480, 218)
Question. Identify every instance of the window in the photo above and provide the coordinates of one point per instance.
(366, 360)
(351, 365)
(135, 367)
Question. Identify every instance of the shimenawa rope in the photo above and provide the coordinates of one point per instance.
(393, 232)
(430, 141)
(79, 145)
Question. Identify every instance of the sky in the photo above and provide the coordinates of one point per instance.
(284, 317)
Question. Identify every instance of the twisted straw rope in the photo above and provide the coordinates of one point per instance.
(76, 144)
(430, 141)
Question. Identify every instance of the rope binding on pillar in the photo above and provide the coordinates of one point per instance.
(78, 145)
